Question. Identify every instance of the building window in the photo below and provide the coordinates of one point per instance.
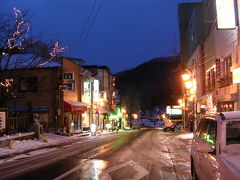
(29, 84)
(67, 75)
(225, 73)
(211, 79)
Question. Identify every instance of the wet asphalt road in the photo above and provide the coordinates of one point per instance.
(144, 154)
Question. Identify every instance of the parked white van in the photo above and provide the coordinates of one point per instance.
(215, 150)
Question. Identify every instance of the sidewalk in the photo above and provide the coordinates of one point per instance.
(18, 147)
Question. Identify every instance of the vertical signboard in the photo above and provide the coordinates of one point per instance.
(3, 118)
(226, 17)
(218, 70)
(96, 90)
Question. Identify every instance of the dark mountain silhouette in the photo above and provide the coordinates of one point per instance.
(153, 83)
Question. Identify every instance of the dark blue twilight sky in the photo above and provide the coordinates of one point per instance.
(125, 33)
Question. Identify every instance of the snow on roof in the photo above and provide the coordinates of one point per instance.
(23, 61)
(51, 64)
(77, 103)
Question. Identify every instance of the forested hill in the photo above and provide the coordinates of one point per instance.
(153, 83)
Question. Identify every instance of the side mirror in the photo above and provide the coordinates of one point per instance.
(204, 147)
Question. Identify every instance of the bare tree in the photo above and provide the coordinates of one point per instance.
(19, 49)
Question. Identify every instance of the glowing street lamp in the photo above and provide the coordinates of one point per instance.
(188, 84)
(135, 116)
(101, 103)
(180, 101)
(186, 77)
(163, 116)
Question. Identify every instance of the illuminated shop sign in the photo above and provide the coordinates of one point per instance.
(236, 75)
(68, 86)
(173, 110)
(225, 14)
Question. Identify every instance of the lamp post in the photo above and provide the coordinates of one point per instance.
(187, 84)
(123, 117)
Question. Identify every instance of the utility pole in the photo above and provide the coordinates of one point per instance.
(93, 126)
(91, 96)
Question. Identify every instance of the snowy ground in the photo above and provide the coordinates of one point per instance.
(52, 139)
(17, 147)
(31, 144)
(185, 136)
(152, 155)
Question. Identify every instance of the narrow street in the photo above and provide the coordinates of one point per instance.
(144, 154)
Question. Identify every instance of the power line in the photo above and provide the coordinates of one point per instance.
(87, 22)
(213, 51)
(93, 21)
(210, 58)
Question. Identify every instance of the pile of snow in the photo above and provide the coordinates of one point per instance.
(21, 146)
(7, 137)
(185, 136)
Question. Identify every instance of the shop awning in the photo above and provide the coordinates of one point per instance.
(75, 106)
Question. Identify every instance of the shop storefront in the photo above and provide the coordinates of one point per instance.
(73, 111)
(226, 106)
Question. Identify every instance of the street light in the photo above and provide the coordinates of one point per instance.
(135, 116)
(187, 84)
(101, 103)
(186, 77)
(180, 101)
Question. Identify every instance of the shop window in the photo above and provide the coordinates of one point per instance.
(29, 84)
(226, 106)
(225, 73)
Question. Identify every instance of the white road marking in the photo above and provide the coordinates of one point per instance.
(141, 172)
(97, 165)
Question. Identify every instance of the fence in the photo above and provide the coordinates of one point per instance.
(17, 124)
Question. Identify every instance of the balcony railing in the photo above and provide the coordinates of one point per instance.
(210, 87)
(225, 81)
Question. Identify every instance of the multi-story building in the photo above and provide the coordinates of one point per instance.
(72, 87)
(65, 95)
(213, 61)
(190, 22)
(53, 91)
(33, 91)
(107, 96)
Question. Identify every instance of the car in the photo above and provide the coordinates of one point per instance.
(168, 125)
(215, 149)
(136, 126)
